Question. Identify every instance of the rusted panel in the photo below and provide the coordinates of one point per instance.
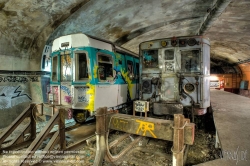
(165, 109)
(149, 127)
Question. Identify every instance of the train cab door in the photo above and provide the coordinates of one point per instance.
(106, 90)
(54, 92)
(79, 89)
(131, 73)
(81, 71)
(65, 76)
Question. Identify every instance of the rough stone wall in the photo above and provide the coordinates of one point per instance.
(17, 92)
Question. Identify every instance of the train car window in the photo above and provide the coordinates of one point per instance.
(190, 61)
(65, 67)
(54, 68)
(105, 67)
(169, 54)
(150, 58)
(81, 66)
(43, 62)
(130, 67)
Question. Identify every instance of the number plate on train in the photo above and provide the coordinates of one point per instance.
(141, 106)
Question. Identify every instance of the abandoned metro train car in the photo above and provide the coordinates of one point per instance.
(174, 75)
(88, 73)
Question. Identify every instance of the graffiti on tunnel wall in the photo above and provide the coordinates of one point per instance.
(20, 79)
(11, 96)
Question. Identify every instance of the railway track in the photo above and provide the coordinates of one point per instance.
(120, 140)
(137, 150)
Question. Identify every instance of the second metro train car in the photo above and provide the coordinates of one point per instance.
(174, 76)
(88, 73)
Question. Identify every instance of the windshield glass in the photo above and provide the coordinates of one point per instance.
(150, 58)
(190, 61)
(105, 64)
(81, 67)
(54, 69)
(65, 67)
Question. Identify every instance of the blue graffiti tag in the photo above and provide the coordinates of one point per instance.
(66, 90)
(82, 94)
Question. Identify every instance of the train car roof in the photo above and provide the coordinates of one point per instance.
(81, 40)
(176, 37)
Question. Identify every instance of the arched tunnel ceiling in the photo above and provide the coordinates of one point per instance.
(27, 25)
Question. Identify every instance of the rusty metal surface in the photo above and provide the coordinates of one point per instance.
(149, 127)
(170, 108)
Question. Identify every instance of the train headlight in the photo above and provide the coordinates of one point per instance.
(173, 43)
(146, 86)
(189, 88)
(192, 42)
(164, 43)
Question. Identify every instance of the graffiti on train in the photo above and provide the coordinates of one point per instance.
(82, 97)
(66, 90)
(19, 79)
(11, 96)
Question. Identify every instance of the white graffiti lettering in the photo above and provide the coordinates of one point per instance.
(11, 96)
(236, 155)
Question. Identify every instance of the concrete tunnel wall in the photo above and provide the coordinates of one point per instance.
(14, 56)
(17, 92)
